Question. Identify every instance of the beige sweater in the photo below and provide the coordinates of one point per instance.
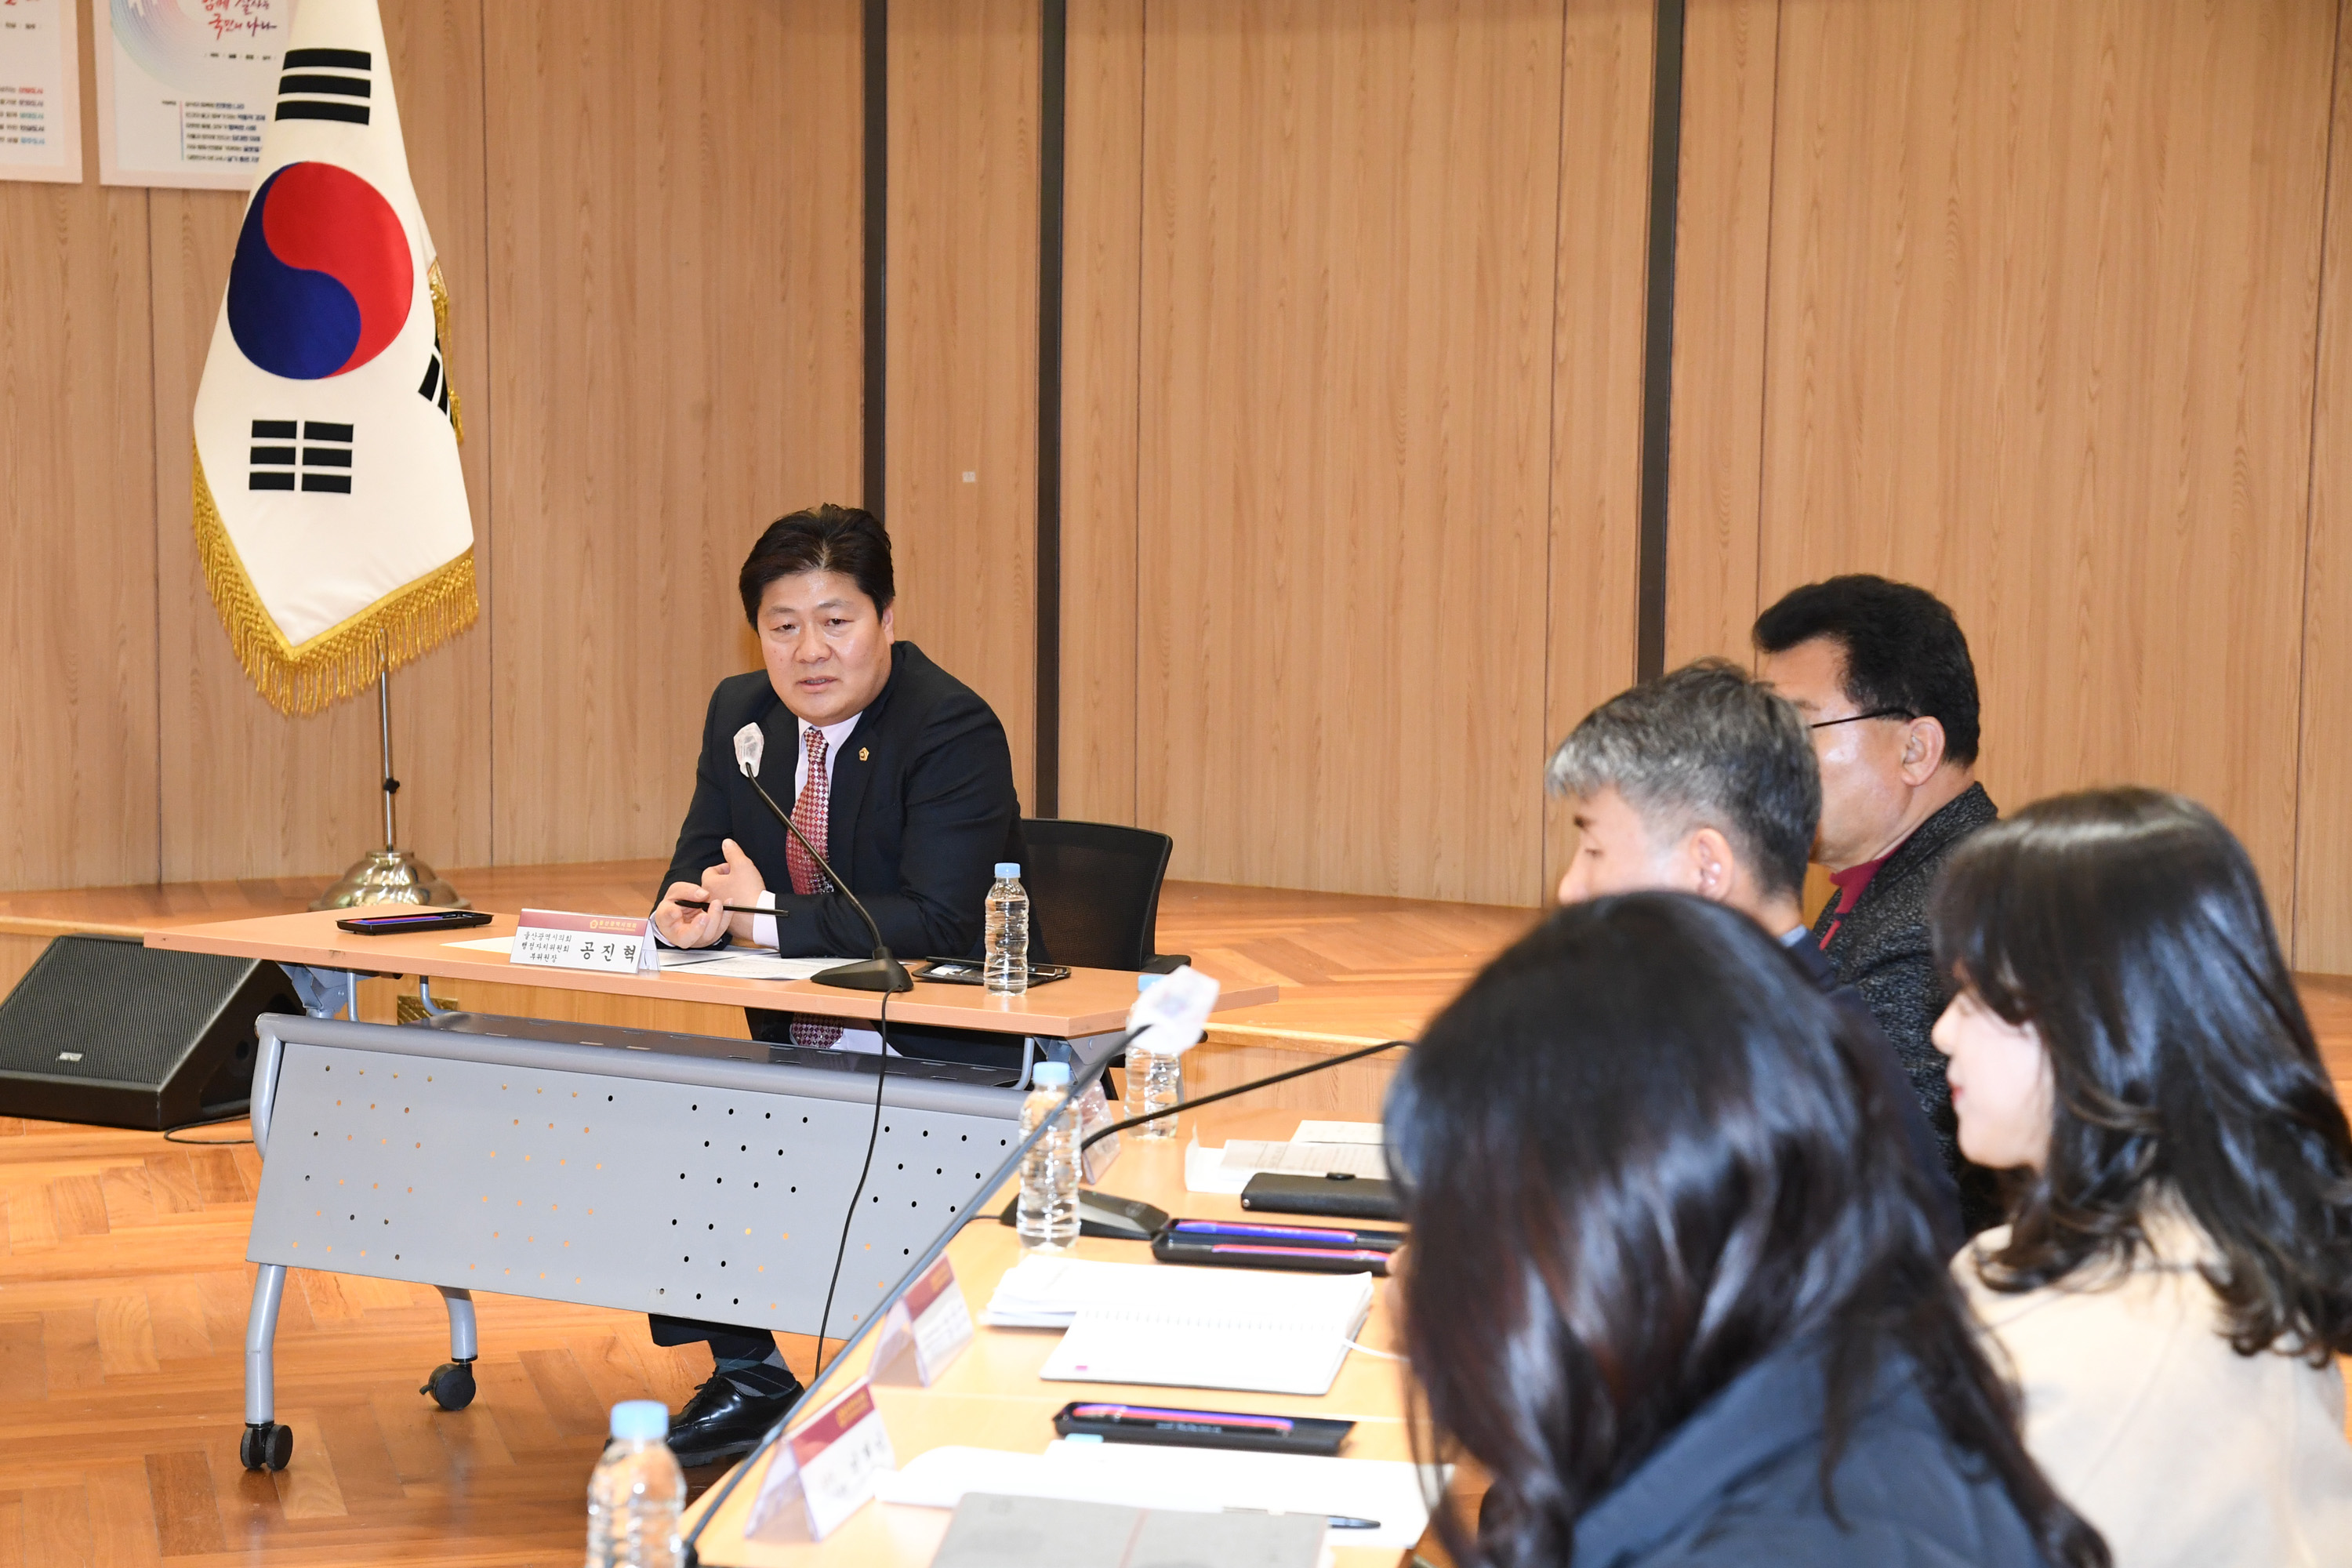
(2180, 1450)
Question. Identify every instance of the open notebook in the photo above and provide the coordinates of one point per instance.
(1187, 1327)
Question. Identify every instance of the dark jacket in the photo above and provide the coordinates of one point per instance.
(1739, 1483)
(1894, 1085)
(922, 808)
(1881, 950)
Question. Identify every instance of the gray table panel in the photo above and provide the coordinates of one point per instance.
(702, 1187)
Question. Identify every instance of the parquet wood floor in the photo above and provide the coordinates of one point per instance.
(123, 1288)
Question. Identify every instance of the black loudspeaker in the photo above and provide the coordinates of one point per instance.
(107, 1031)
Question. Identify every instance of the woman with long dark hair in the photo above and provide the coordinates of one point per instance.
(1673, 1284)
(2176, 1278)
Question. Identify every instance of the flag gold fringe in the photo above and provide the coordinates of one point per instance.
(440, 292)
(343, 660)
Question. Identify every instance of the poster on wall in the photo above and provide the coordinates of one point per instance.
(184, 87)
(40, 91)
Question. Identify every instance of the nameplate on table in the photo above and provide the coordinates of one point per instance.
(926, 1329)
(612, 944)
(825, 1472)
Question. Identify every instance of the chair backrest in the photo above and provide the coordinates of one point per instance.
(1094, 891)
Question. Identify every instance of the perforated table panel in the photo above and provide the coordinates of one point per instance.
(606, 1174)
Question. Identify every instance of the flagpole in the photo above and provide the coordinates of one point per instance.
(390, 875)
(383, 719)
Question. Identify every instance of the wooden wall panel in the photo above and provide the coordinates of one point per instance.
(673, 288)
(1596, 389)
(1350, 219)
(1101, 396)
(2323, 903)
(1722, 233)
(247, 791)
(2044, 302)
(963, 351)
(76, 513)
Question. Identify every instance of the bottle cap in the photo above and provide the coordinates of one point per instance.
(1008, 869)
(1146, 982)
(1050, 1075)
(640, 1420)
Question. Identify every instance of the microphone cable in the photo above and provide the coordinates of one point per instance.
(873, 1134)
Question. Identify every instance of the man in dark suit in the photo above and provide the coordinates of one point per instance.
(1882, 674)
(1703, 781)
(901, 774)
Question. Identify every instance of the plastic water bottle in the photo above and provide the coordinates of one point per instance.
(1047, 1219)
(1155, 1081)
(635, 1494)
(1008, 931)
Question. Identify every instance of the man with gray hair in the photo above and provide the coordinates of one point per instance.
(1704, 780)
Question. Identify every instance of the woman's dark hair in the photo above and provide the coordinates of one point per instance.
(1904, 650)
(2129, 928)
(845, 538)
(1642, 1153)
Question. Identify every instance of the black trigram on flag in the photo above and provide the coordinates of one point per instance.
(325, 84)
(323, 460)
(434, 388)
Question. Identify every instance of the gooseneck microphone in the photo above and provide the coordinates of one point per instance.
(880, 973)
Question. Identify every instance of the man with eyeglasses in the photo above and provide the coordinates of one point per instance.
(1880, 673)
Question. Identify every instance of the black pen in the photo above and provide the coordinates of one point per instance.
(732, 908)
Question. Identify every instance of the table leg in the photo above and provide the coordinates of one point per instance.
(451, 1384)
(267, 1444)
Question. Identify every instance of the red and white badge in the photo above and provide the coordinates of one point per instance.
(614, 944)
(826, 1472)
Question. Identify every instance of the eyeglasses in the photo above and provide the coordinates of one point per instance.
(1903, 714)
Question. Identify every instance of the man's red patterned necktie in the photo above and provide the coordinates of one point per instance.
(809, 813)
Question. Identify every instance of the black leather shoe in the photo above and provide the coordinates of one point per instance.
(722, 1422)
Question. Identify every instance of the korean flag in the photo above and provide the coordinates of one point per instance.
(330, 509)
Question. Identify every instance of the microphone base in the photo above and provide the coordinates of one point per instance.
(880, 973)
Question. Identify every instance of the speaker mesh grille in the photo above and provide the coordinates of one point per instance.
(124, 1030)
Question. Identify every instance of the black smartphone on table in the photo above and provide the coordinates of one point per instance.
(421, 919)
(973, 972)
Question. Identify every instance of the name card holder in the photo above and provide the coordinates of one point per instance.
(613, 944)
(926, 1329)
(825, 1472)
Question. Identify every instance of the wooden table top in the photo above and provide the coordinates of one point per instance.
(1090, 1001)
(991, 1397)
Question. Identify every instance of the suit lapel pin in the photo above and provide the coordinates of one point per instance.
(861, 753)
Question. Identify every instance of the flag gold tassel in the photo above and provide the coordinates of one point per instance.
(343, 660)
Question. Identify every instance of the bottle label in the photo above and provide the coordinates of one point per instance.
(825, 1472)
(926, 1329)
(614, 944)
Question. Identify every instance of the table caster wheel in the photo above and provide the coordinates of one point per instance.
(451, 1384)
(266, 1446)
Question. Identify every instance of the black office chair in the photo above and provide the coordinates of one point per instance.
(1094, 893)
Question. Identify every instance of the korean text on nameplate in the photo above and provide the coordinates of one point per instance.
(614, 944)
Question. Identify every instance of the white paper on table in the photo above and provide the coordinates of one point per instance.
(1204, 1171)
(1338, 1132)
(1199, 1480)
(701, 959)
(1366, 1160)
(768, 966)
